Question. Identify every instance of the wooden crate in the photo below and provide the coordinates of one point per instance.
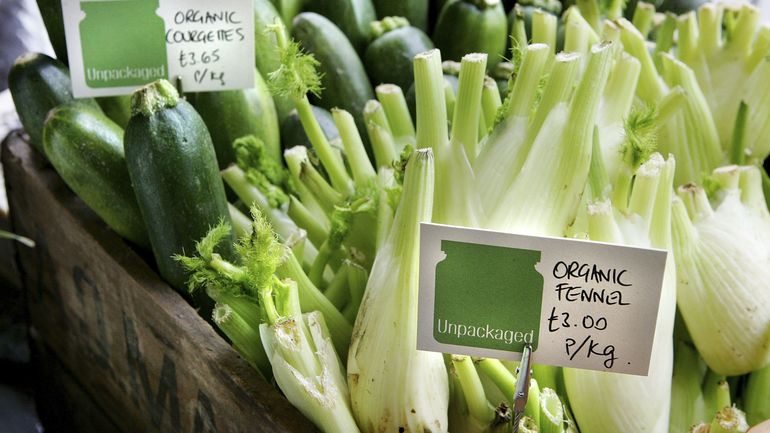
(125, 339)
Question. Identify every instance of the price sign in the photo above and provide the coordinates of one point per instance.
(578, 303)
(114, 46)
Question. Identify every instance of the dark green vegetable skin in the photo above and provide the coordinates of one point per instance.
(416, 11)
(344, 80)
(39, 83)
(388, 58)
(472, 26)
(86, 149)
(53, 19)
(234, 113)
(353, 17)
(173, 168)
(292, 133)
(117, 108)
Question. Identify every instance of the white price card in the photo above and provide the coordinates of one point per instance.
(580, 304)
(115, 46)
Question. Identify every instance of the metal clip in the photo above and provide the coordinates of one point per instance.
(522, 386)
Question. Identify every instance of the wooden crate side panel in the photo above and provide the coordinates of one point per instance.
(134, 344)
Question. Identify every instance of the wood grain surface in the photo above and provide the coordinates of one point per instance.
(132, 343)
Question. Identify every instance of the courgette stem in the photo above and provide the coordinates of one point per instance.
(363, 172)
(394, 103)
(473, 391)
(153, 97)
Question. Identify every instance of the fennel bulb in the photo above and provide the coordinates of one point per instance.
(393, 386)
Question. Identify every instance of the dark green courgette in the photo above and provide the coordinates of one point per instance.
(292, 133)
(117, 108)
(39, 83)
(353, 17)
(344, 80)
(53, 19)
(267, 56)
(86, 149)
(472, 26)
(233, 114)
(388, 58)
(416, 11)
(173, 168)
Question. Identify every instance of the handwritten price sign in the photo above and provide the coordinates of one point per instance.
(579, 304)
(116, 46)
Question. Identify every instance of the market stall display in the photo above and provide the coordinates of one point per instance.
(303, 251)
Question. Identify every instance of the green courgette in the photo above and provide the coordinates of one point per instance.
(173, 167)
(117, 108)
(292, 133)
(86, 149)
(416, 11)
(50, 11)
(233, 114)
(39, 83)
(472, 26)
(344, 80)
(388, 57)
(353, 17)
(267, 56)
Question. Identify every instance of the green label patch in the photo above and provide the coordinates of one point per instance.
(477, 306)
